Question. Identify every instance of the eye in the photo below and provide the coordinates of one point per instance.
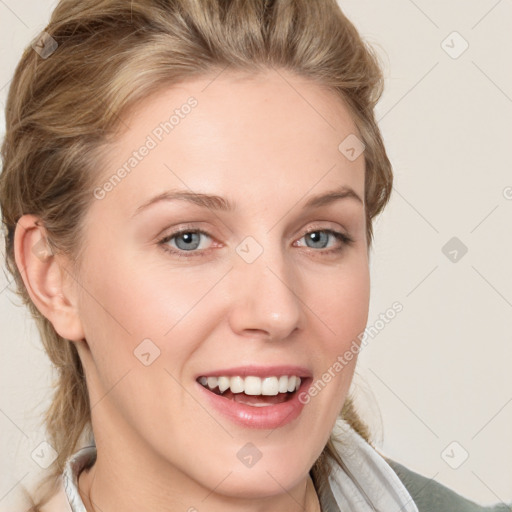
(187, 240)
(319, 239)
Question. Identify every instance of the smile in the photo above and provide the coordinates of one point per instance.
(269, 401)
(252, 385)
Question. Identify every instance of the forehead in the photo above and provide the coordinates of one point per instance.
(256, 135)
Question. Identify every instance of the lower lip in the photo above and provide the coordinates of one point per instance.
(267, 417)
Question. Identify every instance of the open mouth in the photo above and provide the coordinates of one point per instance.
(252, 390)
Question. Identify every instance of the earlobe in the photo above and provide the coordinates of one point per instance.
(45, 277)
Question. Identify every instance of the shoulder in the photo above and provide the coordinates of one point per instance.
(431, 496)
(66, 496)
(58, 501)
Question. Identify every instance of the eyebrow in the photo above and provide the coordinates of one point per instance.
(214, 202)
(210, 201)
(331, 196)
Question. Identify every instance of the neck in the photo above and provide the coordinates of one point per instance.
(154, 484)
(101, 492)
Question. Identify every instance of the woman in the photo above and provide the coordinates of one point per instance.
(193, 244)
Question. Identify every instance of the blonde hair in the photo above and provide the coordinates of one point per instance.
(110, 54)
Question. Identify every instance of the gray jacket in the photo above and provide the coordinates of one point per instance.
(431, 496)
(427, 494)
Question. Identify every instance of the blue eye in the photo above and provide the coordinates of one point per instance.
(186, 241)
(321, 236)
(318, 239)
(190, 240)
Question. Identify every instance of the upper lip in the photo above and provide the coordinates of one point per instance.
(259, 371)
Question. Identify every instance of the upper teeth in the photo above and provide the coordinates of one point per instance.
(253, 385)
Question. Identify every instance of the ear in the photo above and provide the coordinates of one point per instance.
(47, 278)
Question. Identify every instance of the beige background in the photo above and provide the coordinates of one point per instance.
(440, 370)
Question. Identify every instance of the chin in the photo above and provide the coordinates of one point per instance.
(262, 483)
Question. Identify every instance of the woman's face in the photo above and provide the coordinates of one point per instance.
(242, 292)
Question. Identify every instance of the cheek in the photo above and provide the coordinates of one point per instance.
(141, 330)
(140, 298)
(342, 305)
(342, 302)
(133, 307)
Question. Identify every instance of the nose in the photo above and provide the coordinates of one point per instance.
(265, 301)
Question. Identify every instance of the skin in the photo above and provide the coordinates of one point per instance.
(268, 143)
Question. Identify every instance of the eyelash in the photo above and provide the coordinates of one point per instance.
(342, 237)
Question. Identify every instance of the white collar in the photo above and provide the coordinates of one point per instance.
(367, 482)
